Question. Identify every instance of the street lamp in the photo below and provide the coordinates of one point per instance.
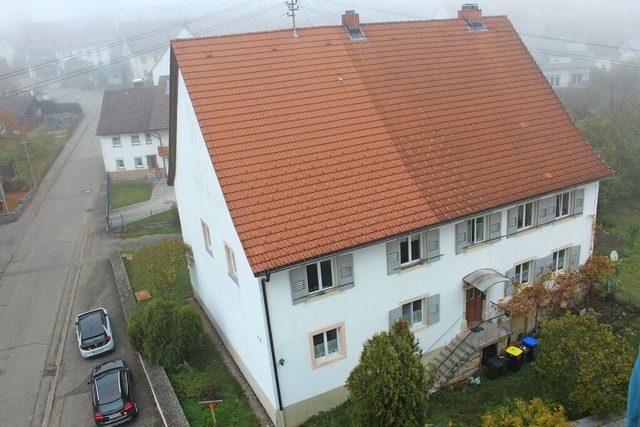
(3, 202)
(33, 179)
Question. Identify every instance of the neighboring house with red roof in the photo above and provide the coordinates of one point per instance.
(134, 131)
(332, 182)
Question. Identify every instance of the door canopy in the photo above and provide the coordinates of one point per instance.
(485, 278)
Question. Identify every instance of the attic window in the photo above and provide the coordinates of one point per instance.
(476, 26)
(356, 33)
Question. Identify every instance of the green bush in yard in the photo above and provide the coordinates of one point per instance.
(165, 331)
(522, 413)
(389, 386)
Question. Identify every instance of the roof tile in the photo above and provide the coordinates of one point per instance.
(322, 144)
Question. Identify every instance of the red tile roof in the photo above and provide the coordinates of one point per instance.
(322, 144)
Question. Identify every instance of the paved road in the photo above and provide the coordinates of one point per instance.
(54, 263)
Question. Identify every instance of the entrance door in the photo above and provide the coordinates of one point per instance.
(152, 163)
(473, 305)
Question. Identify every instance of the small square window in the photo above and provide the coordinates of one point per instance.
(562, 204)
(412, 313)
(559, 258)
(148, 138)
(410, 248)
(523, 273)
(327, 346)
(135, 139)
(525, 216)
(116, 141)
(137, 161)
(120, 164)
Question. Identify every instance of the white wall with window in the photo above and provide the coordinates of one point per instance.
(135, 154)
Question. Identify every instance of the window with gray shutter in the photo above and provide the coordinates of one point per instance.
(574, 258)
(345, 271)
(433, 309)
(540, 267)
(495, 226)
(433, 245)
(393, 257)
(546, 210)
(509, 287)
(298, 277)
(394, 315)
(512, 221)
(578, 202)
(461, 236)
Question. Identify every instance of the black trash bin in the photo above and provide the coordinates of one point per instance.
(532, 343)
(497, 366)
(525, 353)
(515, 358)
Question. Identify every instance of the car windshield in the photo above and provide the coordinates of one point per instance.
(109, 395)
(91, 328)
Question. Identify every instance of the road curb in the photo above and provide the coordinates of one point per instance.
(166, 400)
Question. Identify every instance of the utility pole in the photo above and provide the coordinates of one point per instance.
(33, 179)
(293, 6)
(3, 205)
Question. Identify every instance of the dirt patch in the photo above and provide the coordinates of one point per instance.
(12, 200)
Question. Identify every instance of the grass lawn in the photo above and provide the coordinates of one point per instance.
(204, 376)
(128, 193)
(162, 223)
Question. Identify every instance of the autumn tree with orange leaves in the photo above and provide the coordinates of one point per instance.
(554, 292)
(10, 125)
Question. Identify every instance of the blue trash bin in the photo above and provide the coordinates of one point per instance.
(532, 343)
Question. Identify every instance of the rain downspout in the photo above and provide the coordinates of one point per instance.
(264, 281)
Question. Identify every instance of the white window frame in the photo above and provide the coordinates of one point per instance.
(116, 141)
(520, 270)
(207, 237)
(563, 200)
(138, 162)
(473, 229)
(577, 79)
(559, 260)
(554, 81)
(120, 164)
(231, 262)
(408, 249)
(525, 218)
(319, 276)
(135, 139)
(148, 139)
(339, 352)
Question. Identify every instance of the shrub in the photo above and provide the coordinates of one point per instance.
(165, 331)
(388, 386)
(521, 413)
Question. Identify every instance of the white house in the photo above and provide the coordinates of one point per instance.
(134, 131)
(564, 63)
(333, 181)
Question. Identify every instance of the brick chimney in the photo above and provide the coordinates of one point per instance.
(469, 12)
(351, 20)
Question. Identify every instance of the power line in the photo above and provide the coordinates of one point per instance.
(92, 68)
(111, 45)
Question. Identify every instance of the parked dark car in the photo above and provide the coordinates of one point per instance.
(113, 402)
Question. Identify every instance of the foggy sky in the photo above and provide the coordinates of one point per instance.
(596, 19)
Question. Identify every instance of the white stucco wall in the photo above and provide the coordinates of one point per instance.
(362, 310)
(128, 152)
(236, 306)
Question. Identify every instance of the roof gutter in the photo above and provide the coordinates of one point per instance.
(264, 281)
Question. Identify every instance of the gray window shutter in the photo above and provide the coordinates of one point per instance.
(540, 268)
(510, 286)
(574, 260)
(461, 236)
(433, 309)
(298, 278)
(578, 202)
(495, 226)
(512, 221)
(433, 245)
(345, 271)
(546, 210)
(393, 257)
(394, 315)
